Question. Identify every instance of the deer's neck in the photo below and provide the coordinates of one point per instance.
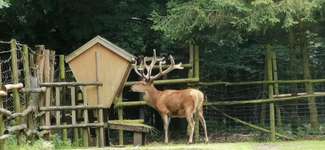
(151, 95)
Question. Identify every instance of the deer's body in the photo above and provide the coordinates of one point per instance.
(169, 103)
(174, 103)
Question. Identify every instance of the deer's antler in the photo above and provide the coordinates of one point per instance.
(145, 70)
(170, 68)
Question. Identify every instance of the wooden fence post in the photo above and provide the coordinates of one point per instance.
(270, 91)
(27, 79)
(276, 89)
(64, 91)
(197, 75)
(15, 78)
(2, 124)
(120, 117)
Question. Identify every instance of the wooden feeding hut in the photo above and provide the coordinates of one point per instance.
(102, 61)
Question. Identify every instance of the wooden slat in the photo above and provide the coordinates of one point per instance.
(47, 104)
(128, 128)
(74, 116)
(85, 130)
(57, 103)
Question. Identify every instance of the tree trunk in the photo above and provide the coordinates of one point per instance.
(313, 113)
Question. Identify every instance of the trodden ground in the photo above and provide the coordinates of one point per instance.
(294, 145)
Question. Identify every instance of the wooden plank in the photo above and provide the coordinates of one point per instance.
(66, 126)
(57, 103)
(128, 128)
(15, 78)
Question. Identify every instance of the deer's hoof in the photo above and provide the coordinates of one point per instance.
(206, 141)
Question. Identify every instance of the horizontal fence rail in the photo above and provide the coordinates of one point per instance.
(57, 84)
(262, 82)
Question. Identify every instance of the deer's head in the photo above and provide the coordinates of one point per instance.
(144, 70)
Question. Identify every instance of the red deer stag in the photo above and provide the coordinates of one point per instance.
(169, 103)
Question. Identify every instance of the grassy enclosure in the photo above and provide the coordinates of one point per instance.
(259, 63)
(263, 110)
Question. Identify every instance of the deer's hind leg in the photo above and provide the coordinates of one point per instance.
(191, 124)
(202, 120)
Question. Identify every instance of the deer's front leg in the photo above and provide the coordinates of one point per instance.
(166, 124)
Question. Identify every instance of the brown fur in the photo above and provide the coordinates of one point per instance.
(174, 103)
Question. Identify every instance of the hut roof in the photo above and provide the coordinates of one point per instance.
(98, 39)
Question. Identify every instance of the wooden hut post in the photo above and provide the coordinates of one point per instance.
(15, 78)
(100, 111)
(197, 76)
(2, 124)
(270, 91)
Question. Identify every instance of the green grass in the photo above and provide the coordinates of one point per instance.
(296, 145)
